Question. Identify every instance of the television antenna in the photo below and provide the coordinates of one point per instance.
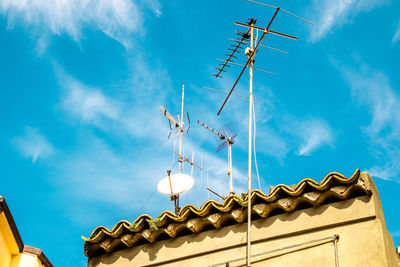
(247, 37)
(178, 127)
(225, 137)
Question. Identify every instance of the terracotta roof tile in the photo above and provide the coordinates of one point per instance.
(213, 214)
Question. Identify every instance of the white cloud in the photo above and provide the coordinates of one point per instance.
(333, 14)
(33, 144)
(313, 134)
(269, 142)
(387, 171)
(396, 36)
(372, 89)
(116, 18)
(154, 5)
(86, 103)
(134, 111)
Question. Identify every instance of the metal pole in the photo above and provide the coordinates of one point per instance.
(250, 143)
(230, 168)
(181, 127)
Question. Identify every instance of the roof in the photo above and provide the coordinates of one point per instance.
(38, 252)
(4, 208)
(213, 214)
(22, 248)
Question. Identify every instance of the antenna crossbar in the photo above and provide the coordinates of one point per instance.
(281, 9)
(183, 159)
(267, 31)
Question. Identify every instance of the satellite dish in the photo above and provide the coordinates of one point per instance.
(180, 183)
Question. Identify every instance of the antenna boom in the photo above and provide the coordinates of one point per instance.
(223, 137)
(169, 117)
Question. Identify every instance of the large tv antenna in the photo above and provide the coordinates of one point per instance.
(178, 127)
(247, 37)
(225, 137)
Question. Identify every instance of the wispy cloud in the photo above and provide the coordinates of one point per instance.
(309, 134)
(270, 142)
(314, 134)
(117, 18)
(333, 14)
(126, 112)
(396, 36)
(33, 144)
(279, 131)
(87, 103)
(371, 88)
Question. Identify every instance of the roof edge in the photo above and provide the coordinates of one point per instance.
(4, 208)
(38, 252)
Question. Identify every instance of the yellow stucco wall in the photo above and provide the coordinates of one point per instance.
(359, 222)
(9, 250)
(8, 245)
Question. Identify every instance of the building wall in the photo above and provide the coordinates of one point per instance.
(8, 245)
(10, 255)
(359, 223)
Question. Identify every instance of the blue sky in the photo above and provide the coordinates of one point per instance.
(83, 142)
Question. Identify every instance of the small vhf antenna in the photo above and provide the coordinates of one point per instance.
(178, 127)
(225, 137)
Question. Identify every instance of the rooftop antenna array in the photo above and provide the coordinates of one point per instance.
(247, 38)
(173, 185)
(225, 137)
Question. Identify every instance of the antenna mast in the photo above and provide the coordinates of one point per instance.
(250, 53)
(181, 124)
(229, 139)
(177, 128)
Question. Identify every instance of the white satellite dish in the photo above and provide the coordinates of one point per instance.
(180, 183)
